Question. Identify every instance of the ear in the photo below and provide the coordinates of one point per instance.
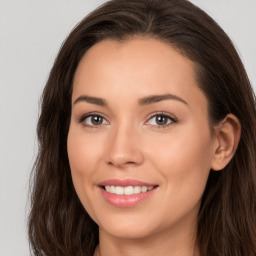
(227, 135)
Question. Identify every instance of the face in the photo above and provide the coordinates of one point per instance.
(139, 144)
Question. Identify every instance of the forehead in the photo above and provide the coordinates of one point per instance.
(135, 67)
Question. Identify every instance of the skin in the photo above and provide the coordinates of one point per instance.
(130, 144)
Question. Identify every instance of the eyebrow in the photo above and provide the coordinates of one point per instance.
(157, 98)
(143, 101)
(92, 100)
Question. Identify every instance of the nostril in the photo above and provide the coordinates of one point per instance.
(130, 162)
(121, 163)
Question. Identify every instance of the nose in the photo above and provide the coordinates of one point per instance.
(125, 148)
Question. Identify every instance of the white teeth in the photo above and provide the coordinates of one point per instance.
(136, 190)
(144, 189)
(119, 190)
(113, 189)
(129, 190)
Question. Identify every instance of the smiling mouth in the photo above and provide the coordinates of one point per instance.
(128, 190)
(126, 193)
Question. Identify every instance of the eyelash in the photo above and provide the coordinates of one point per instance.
(91, 114)
(172, 119)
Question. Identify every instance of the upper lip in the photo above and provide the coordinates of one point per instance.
(125, 183)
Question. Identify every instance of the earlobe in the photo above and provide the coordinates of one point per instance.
(227, 134)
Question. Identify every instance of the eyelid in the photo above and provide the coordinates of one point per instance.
(173, 119)
(84, 116)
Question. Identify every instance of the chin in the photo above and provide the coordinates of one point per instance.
(126, 228)
(137, 233)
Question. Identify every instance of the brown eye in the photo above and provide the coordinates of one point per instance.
(94, 120)
(161, 120)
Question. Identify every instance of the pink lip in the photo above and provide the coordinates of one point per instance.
(124, 183)
(125, 200)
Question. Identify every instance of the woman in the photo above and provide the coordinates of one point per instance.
(147, 138)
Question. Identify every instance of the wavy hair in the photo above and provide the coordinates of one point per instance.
(58, 223)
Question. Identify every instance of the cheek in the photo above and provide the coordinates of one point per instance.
(82, 159)
(189, 146)
(184, 162)
(82, 154)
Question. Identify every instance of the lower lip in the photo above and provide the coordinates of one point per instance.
(124, 200)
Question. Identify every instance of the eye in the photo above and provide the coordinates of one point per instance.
(161, 120)
(93, 120)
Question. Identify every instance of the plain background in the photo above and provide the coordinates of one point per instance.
(31, 33)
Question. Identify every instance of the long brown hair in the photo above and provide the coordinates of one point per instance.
(58, 223)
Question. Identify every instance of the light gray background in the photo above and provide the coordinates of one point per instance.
(31, 33)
